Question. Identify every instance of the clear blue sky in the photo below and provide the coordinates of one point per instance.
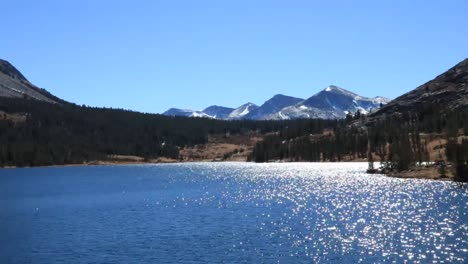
(152, 55)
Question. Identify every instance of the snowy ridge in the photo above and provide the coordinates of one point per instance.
(332, 102)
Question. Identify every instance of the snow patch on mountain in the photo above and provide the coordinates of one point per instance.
(242, 111)
(201, 114)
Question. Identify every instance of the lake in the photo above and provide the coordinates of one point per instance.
(228, 213)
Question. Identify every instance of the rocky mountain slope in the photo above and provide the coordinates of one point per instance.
(446, 92)
(14, 84)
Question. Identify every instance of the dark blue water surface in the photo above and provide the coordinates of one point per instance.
(228, 213)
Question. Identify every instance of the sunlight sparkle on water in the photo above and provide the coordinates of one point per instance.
(327, 208)
(229, 213)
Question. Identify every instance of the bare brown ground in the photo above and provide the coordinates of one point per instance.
(221, 148)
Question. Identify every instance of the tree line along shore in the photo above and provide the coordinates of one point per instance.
(35, 133)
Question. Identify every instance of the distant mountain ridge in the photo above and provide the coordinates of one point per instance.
(331, 103)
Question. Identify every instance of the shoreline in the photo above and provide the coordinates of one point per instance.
(430, 172)
(426, 173)
(93, 163)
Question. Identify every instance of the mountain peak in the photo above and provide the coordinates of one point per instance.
(331, 88)
(10, 70)
(273, 105)
(279, 96)
(217, 111)
(242, 111)
(338, 90)
(216, 107)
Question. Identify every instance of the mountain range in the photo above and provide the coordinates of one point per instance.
(331, 103)
(448, 91)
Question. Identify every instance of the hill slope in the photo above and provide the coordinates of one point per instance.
(447, 92)
(14, 85)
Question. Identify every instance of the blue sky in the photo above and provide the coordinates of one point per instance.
(152, 55)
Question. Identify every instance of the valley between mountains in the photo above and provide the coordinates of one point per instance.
(429, 123)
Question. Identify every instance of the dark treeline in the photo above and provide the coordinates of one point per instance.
(321, 141)
(67, 133)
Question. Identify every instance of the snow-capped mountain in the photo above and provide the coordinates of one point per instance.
(242, 111)
(272, 106)
(331, 103)
(185, 112)
(218, 112)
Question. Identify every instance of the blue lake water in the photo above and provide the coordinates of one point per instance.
(228, 213)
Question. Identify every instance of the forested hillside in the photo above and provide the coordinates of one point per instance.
(36, 133)
(339, 142)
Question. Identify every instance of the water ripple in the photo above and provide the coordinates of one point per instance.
(335, 212)
(230, 212)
